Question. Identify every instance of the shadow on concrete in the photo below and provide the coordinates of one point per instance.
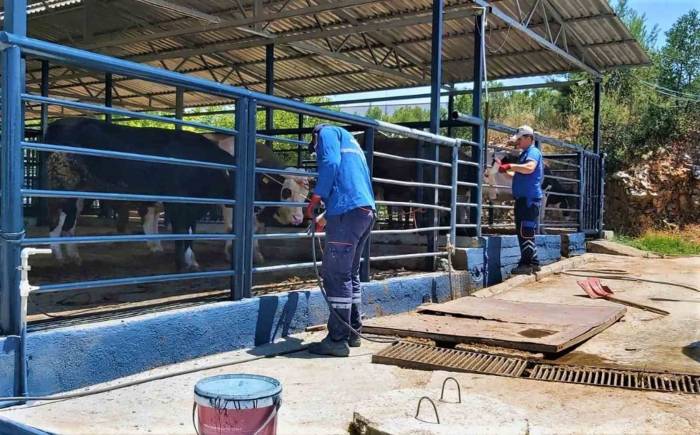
(692, 351)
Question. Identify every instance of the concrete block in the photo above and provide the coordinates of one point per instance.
(573, 244)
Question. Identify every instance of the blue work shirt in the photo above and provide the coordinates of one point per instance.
(343, 181)
(529, 185)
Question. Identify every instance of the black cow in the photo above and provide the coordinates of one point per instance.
(80, 172)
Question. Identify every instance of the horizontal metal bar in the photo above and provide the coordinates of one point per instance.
(125, 156)
(466, 225)
(556, 177)
(486, 205)
(401, 256)
(285, 267)
(543, 139)
(412, 204)
(556, 225)
(280, 204)
(411, 183)
(496, 186)
(83, 285)
(124, 112)
(467, 184)
(124, 197)
(411, 159)
(298, 173)
(126, 238)
(467, 119)
(573, 195)
(411, 230)
(467, 163)
(417, 134)
(572, 165)
(572, 210)
(466, 204)
(280, 236)
(561, 156)
(280, 139)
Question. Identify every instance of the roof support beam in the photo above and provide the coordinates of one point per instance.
(544, 42)
(184, 10)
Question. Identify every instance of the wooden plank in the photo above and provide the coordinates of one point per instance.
(524, 312)
(539, 330)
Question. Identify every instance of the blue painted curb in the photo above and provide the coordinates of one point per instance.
(67, 358)
(9, 427)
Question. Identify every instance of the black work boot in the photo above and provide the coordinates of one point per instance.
(330, 347)
(522, 269)
(536, 268)
(354, 340)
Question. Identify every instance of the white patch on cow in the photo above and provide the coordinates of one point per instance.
(190, 259)
(294, 189)
(150, 226)
(493, 180)
(56, 232)
(72, 248)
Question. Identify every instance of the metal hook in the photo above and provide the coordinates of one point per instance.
(459, 390)
(437, 416)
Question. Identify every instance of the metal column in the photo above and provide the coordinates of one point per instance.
(269, 85)
(596, 117)
(12, 171)
(179, 105)
(601, 158)
(243, 219)
(43, 205)
(300, 137)
(108, 95)
(450, 110)
(433, 150)
(477, 131)
(369, 155)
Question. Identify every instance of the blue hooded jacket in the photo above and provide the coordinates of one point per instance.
(344, 182)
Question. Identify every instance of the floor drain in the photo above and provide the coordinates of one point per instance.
(419, 356)
(423, 357)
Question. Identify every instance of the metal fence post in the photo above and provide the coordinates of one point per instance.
(477, 131)
(108, 95)
(12, 173)
(601, 196)
(453, 196)
(242, 258)
(179, 105)
(582, 174)
(369, 155)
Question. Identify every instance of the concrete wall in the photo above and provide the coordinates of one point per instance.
(67, 358)
(503, 254)
(573, 244)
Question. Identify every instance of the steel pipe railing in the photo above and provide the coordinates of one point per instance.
(129, 238)
(411, 159)
(124, 197)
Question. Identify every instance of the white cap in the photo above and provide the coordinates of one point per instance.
(523, 130)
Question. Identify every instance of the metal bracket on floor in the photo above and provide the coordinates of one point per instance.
(437, 416)
(459, 390)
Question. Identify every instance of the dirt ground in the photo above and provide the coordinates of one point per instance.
(119, 260)
(321, 394)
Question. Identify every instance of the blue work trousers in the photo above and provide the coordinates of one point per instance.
(527, 215)
(346, 236)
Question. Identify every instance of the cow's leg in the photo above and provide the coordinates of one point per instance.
(57, 218)
(72, 248)
(190, 258)
(227, 213)
(150, 226)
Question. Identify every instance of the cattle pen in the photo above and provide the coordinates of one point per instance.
(266, 60)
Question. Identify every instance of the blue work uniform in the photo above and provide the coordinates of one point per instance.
(345, 186)
(527, 191)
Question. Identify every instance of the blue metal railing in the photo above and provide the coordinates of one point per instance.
(244, 169)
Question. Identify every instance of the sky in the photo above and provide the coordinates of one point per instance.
(659, 12)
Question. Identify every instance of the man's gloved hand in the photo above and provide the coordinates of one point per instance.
(313, 203)
(504, 167)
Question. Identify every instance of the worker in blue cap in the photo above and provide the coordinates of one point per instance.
(344, 185)
(528, 173)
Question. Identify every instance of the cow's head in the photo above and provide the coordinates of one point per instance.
(293, 189)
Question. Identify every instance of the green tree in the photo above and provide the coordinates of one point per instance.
(680, 58)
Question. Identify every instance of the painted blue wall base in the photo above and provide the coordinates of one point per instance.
(64, 359)
(573, 244)
(502, 255)
(9, 427)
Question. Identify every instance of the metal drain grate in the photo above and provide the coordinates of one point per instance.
(419, 356)
(631, 379)
(423, 357)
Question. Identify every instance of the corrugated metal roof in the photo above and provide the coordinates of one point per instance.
(344, 46)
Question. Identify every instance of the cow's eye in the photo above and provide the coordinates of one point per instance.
(286, 193)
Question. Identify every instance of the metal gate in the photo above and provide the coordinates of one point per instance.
(593, 173)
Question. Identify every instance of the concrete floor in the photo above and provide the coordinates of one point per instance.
(320, 394)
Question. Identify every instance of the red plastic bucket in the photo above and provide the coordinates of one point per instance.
(237, 404)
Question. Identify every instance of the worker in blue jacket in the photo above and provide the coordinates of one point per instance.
(527, 191)
(345, 186)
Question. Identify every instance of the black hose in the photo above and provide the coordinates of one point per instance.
(152, 378)
(619, 275)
